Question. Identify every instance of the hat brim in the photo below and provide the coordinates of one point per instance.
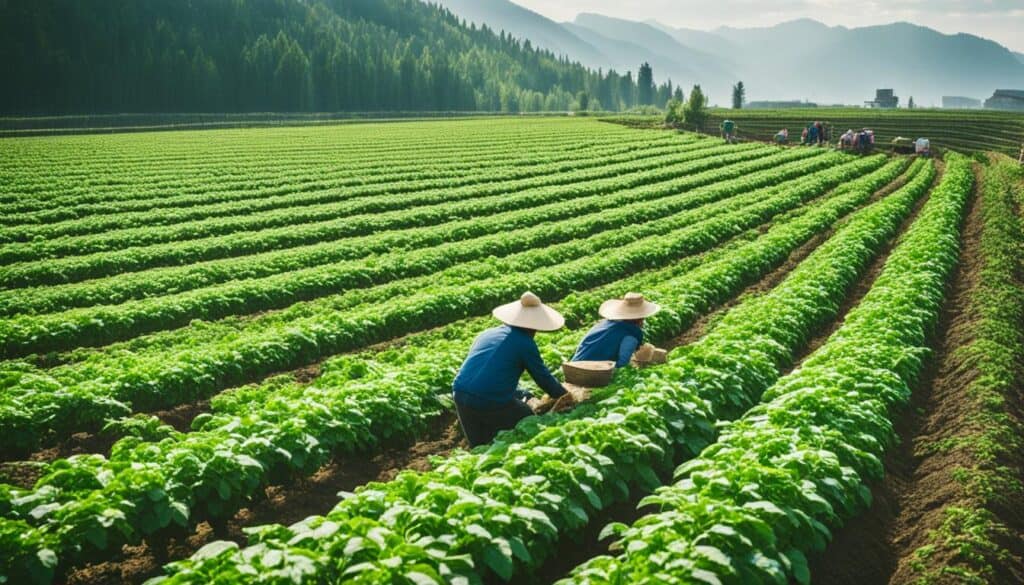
(539, 318)
(620, 310)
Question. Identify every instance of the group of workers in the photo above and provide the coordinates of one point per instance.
(486, 389)
(816, 133)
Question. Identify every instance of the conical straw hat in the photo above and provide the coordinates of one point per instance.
(631, 306)
(529, 313)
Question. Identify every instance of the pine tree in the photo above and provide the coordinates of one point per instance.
(645, 85)
(739, 96)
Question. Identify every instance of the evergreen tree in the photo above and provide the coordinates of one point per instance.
(288, 55)
(739, 96)
(910, 103)
(645, 85)
(695, 112)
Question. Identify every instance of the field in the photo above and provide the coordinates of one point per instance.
(227, 357)
(962, 130)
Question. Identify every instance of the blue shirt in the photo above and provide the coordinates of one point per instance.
(613, 341)
(490, 375)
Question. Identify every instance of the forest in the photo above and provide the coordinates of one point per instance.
(77, 57)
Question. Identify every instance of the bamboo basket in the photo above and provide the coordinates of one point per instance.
(591, 374)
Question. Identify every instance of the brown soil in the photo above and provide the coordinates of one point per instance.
(180, 417)
(286, 504)
(23, 474)
(76, 444)
(878, 546)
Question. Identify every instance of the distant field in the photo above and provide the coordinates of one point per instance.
(967, 130)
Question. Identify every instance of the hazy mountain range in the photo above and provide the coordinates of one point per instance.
(801, 59)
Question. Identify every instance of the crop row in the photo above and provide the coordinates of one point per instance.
(307, 189)
(154, 282)
(104, 324)
(635, 166)
(325, 201)
(498, 510)
(463, 204)
(363, 403)
(40, 404)
(86, 164)
(966, 540)
(153, 189)
(766, 494)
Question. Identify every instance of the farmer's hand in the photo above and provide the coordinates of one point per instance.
(541, 405)
(565, 402)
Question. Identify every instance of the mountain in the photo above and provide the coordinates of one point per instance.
(526, 25)
(275, 55)
(805, 59)
(669, 57)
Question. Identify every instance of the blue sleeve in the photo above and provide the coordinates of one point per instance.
(627, 348)
(540, 372)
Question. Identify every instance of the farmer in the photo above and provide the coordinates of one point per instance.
(812, 134)
(728, 128)
(486, 388)
(620, 333)
(782, 136)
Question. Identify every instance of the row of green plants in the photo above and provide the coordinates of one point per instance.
(75, 171)
(970, 544)
(48, 241)
(45, 404)
(306, 188)
(779, 480)
(429, 208)
(498, 511)
(165, 187)
(256, 262)
(358, 401)
(100, 325)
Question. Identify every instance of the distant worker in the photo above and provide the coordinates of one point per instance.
(923, 147)
(1020, 158)
(846, 140)
(486, 388)
(820, 131)
(782, 136)
(812, 134)
(728, 128)
(620, 333)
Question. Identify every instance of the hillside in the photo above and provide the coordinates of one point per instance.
(281, 55)
(525, 24)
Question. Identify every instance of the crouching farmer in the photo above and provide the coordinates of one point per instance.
(621, 332)
(486, 388)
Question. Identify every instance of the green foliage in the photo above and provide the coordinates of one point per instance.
(695, 111)
(739, 96)
(244, 443)
(794, 467)
(285, 56)
(498, 509)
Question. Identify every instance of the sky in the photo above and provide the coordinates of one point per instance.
(999, 20)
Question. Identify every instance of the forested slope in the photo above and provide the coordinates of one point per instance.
(67, 56)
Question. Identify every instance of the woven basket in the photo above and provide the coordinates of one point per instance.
(589, 374)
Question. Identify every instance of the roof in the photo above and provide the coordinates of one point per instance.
(1010, 93)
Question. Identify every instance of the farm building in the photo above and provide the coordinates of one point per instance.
(1006, 99)
(958, 102)
(884, 98)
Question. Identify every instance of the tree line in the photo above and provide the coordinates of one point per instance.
(100, 56)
